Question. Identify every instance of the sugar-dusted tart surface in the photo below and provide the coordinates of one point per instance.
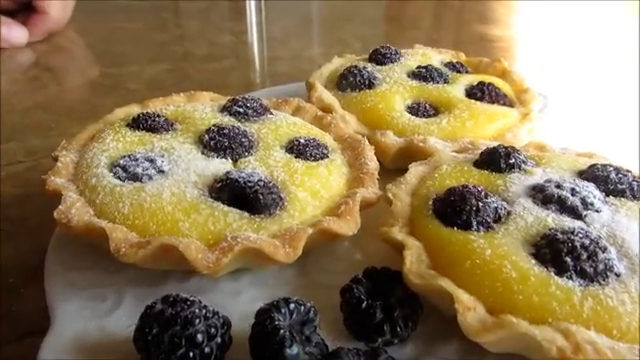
(422, 92)
(542, 236)
(225, 181)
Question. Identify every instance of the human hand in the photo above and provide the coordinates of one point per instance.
(25, 21)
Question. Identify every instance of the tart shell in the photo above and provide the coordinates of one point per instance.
(235, 251)
(398, 152)
(496, 333)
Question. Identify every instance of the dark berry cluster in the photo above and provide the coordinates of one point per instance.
(429, 74)
(307, 148)
(246, 190)
(378, 308)
(502, 159)
(577, 254)
(178, 326)
(469, 208)
(384, 55)
(286, 329)
(574, 198)
(139, 167)
(612, 180)
(489, 93)
(421, 109)
(151, 122)
(357, 78)
(457, 67)
(232, 142)
(249, 191)
(246, 108)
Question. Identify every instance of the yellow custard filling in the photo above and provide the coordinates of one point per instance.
(496, 266)
(177, 203)
(384, 106)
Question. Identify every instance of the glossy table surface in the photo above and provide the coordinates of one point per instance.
(582, 55)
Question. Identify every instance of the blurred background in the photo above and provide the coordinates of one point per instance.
(582, 55)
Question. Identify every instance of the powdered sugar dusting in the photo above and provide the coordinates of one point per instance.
(176, 202)
(139, 167)
(497, 266)
(615, 223)
(384, 106)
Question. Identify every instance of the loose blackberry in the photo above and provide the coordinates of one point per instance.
(574, 198)
(457, 67)
(612, 180)
(502, 159)
(342, 353)
(429, 74)
(286, 329)
(151, 122)
(232, 142)
(307, 148)
(378, 308)
(489, 93)
(246, 108)
(469, 208)
(384, 55)
(356, 78)
(421, 109)
(178, 326)
(577, 254)
(139, 167)
(249, 191)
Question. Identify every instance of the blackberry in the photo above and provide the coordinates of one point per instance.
(139, 167)
(489, 93)
(307, 148)
(286, 329)
(378, 308)
(502, 159)
(384, 55)
(421, 109)
(612, 180)
(231, 142)
(457, 67)
(574, 198)
(151, 122)
(342, 353)
(356, 78)
(178, 326)
(577, 254)
(246, 108)
(249, 191)
(429, 74)
(469, 208)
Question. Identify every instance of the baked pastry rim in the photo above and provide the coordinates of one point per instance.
(501, 333)
(235, 250)
(396, 152)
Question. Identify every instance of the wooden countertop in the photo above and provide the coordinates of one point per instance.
(582, 55)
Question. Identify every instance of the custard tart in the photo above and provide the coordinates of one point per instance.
(412, 103)
(534, 248)
(210, 183)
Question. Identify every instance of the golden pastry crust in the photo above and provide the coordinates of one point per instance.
(397, 152)
(240, 250)
(498, 333)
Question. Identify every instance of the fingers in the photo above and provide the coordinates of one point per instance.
(12, 33)
(50, 17)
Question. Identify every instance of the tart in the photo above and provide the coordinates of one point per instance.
(412, 103)
(204, 182)
(534, 248)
